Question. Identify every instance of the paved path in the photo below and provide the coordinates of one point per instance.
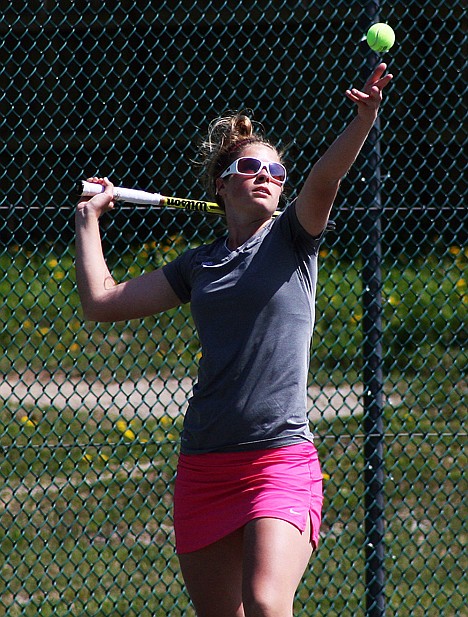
(145, 397)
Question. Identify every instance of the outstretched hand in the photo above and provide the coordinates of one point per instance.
(368, 100)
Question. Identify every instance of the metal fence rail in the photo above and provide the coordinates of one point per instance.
(91, 414)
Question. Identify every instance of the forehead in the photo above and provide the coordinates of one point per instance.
(260, 151)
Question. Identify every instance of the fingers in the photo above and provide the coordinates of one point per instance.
(378, 79)
(377, 72)
(354, 95)
(371, 94)
(105, 182)
(381, 83)
(102, 201)
(359, 96)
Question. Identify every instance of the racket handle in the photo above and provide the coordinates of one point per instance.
(134, 196)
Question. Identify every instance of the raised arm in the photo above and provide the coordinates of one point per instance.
(102, 299)
(319, 191)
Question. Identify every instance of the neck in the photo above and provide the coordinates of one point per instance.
(238, 234)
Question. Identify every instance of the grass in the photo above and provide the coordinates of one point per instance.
(424, 514)
(423, 312)
(85, 501)
(86, 524)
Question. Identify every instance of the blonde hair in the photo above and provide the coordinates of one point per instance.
(227, 136)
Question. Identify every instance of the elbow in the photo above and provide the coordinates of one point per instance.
(92, 311)
(97, 315)
(89, 314)
(102, 312)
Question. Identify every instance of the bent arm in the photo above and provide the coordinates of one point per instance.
(102, 299)
(318, 194)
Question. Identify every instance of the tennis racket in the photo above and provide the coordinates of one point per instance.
(143, 198)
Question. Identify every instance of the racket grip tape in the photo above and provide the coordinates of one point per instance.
(134, 196)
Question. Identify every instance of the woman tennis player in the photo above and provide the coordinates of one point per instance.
(248, 492)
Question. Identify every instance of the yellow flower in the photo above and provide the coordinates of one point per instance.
(122, 426)
(28, 421)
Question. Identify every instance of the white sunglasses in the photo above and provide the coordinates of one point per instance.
(251, 166)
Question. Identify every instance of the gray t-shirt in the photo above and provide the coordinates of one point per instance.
(254, 311)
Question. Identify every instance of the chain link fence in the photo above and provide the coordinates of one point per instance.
(91, 414)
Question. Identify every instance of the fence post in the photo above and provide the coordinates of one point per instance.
(373, 385)
(372, 355)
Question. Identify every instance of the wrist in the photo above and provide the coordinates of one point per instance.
(368, 116)
(85, 213)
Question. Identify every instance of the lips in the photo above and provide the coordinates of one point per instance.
(262, 189)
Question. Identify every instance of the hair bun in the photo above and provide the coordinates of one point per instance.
(243, 128)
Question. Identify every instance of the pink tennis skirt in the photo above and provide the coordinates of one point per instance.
(219, 492)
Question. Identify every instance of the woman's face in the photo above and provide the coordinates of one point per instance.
(258, 193)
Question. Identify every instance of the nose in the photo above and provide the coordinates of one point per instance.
(263, 173)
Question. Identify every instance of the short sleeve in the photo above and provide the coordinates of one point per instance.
(178, 273)
(299, 236)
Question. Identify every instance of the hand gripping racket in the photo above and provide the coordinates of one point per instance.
(143, 198)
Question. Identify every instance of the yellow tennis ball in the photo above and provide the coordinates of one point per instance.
(380, 37)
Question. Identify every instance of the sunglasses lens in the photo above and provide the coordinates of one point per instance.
(277, 171)
(248, 166)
